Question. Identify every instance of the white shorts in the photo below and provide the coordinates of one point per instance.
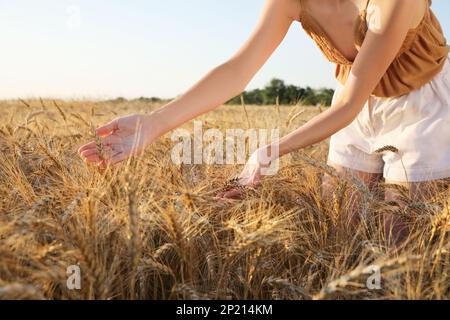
(417, 124)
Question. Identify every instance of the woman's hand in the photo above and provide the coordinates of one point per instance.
(259, 165)
(118, 140)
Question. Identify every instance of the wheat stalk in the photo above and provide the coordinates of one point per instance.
(285, 284)
(386, 149)
(189, 292)
(295, 116)
(98, 143)
(348, 279)
(62, 114)
(26, 104)
(393, 150)
(134, 245)
(19, 291)
(32, 115)
(245, 111)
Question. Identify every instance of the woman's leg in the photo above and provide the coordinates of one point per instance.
(396, 229)
(371, 180)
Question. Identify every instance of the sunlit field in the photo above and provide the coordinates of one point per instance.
(150, 229)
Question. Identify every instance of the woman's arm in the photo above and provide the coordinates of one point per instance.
(384, 39)
(127, 136)
(387, 32)
(231, 78)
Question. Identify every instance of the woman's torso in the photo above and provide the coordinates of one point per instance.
(422, 55)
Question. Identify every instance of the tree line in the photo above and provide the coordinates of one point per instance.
(278, 92)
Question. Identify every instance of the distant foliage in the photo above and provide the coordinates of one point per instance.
(152, 100)
(276, 89)
(286, 94)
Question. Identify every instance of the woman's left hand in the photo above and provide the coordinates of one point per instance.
(253, 173)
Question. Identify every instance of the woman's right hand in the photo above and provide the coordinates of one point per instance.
(119, 140)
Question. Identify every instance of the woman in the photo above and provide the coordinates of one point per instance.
(394, 71)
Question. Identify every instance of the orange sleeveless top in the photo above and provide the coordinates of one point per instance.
(421, 57)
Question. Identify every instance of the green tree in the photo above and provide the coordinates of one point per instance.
(310, 97)
(293, 95)
(325, 96)
(276, 88)
(287, 94)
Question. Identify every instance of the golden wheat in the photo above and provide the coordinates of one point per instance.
(149, 229)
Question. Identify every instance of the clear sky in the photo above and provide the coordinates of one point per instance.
(132, 48)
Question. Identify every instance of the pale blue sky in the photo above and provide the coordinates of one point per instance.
(135, 48)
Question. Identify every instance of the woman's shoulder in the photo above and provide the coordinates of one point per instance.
(292, 8)
(381, 9)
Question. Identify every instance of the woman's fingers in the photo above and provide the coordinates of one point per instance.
(105, 162)
(233, 194)
(91, 156)
(114, 159)
(89, 152)
(106, 141)
(88, 146)
(108, 128)
(109, 154)
(94, 158)
(111, 145)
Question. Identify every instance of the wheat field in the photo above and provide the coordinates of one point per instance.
(150, 229)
